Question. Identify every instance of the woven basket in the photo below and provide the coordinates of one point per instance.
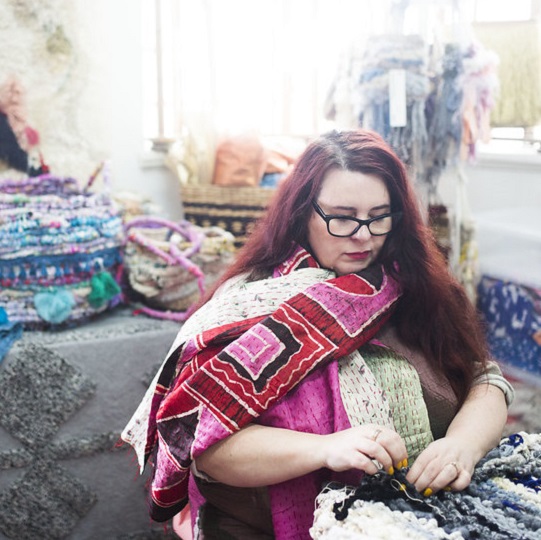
(169, 265)
(235, 209)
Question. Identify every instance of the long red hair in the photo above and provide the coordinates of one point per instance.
(434, 314)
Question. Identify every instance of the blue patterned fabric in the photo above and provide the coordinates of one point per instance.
(513, 317)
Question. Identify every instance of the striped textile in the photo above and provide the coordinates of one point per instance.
(60, 251)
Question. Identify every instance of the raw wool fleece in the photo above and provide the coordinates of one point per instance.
(503, 501)
(52, 47)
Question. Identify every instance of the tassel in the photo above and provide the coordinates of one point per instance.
(104, 288)
(54, 307)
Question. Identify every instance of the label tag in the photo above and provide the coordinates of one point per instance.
(397, 97)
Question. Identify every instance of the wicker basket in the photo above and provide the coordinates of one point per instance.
(234, 209)
(169, 265)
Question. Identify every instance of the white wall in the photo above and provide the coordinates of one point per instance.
(131, 170)
(501, 182)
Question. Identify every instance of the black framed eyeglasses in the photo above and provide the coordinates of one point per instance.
(343, 226)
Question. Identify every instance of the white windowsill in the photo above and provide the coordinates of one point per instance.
(492, 157)
(152, 160)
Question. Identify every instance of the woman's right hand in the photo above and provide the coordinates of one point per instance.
(261, 455)
(361, 447)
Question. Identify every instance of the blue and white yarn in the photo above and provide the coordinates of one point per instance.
(502, 502)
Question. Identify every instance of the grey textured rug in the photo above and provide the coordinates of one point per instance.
(65, 398)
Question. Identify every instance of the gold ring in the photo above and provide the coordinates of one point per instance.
(376, 434)
(455, 465)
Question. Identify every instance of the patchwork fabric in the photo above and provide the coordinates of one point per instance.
(400, 387)
(212, 371)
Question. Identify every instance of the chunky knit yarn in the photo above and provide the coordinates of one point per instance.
(60, 251)
(502, 502)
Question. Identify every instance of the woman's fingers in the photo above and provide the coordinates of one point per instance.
(442, 465)
(439, 476)
(391, 443)
(368, 448)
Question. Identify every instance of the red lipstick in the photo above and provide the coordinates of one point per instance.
(359, 255)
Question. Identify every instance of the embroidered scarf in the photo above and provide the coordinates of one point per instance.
(234, 360)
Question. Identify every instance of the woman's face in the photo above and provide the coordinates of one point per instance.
(351, 194)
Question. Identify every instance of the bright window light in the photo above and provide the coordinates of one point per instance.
(494, 10)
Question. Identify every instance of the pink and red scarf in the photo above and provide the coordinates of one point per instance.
(226, 376)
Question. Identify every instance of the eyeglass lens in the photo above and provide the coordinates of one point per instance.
(347, 226)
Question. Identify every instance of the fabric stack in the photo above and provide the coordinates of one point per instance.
(503, 501)
(60, 251)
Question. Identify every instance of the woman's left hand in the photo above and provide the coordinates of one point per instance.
(445, 463)
(450, 461)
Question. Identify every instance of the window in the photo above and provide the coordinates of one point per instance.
(237, 65)
(512, 30)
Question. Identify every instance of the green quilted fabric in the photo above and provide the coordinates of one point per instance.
(402, 388)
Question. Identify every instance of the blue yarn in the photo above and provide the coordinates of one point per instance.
(516, 439)
(110, 257)
(9, 333)
(54, 307)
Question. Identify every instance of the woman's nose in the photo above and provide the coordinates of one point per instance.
(363, 233)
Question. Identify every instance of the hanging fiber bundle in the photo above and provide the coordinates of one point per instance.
(444, 118)
(371, 92)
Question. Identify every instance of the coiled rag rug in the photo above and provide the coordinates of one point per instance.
(502, 502)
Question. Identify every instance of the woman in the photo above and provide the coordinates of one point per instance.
(337, 344)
